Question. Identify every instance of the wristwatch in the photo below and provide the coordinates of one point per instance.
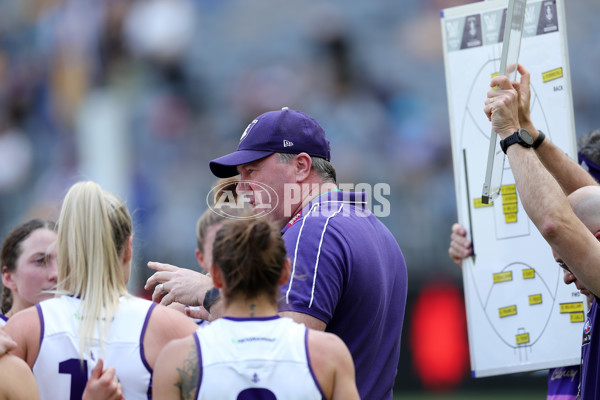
(210, 298)
(521, 136)
(539, 140)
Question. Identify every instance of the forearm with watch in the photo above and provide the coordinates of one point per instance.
(567, 172)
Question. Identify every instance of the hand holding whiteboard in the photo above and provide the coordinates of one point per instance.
(509, 329)
(511, 46)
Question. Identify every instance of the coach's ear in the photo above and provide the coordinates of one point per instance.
(200, 258)
(285, 272)
(217, 277)
(302, 166)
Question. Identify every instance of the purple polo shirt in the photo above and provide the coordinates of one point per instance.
(590, 355)
(349, 272)
(563, 383)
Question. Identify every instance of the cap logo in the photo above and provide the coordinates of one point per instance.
(248, 129)
(287, 143)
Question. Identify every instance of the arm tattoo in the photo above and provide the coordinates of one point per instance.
(188, 375)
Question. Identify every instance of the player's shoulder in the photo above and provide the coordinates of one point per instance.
(181, 346)
(326, 345)
(168, 319)
(24, 319)
(178, 352)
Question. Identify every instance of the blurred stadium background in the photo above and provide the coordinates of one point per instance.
(140, 94)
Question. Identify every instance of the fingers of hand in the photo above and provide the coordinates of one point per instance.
(503, 82)
(489, 105)
(151, 281)
(119, 394)
(459, 229)
(161, 267)
(167, 299)
(158, 277)
(199, 313)
(114, 386)
(459, 240)
(97, 371)
(109, 376)
(7, 345)
(6, 342)
(159, 292)
(525, 76)
(453, 256)
(460, 247)
(159, 289)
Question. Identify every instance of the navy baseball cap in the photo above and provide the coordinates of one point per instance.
(283, 131)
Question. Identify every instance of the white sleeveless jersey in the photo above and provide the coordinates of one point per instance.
(58, 370)
(257, 358)
(3, 320)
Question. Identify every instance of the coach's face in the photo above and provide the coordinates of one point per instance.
(569, 277)
(261, 180)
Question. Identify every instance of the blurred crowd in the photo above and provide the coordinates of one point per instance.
(140, 94)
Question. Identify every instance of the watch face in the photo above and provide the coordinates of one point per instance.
(525, 136)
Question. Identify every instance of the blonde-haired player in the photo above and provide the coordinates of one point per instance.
(93, 315)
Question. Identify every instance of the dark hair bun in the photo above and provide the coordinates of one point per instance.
(260, 234)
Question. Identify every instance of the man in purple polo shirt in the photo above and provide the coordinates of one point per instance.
(348, 273)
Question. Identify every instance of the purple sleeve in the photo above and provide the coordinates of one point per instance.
(563, 383)
(317, 253)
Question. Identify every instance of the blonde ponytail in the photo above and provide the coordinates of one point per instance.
(93, 229)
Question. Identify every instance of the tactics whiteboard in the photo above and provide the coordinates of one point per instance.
(520, 314)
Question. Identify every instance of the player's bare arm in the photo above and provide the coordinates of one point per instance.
(333, 366)
(176, 372)
(188, 374)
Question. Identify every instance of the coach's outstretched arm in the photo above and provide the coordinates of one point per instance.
(567, 172)
(542, 197)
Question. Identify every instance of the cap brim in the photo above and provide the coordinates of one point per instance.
(226, 166)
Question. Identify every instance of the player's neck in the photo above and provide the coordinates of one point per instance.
(260, 306)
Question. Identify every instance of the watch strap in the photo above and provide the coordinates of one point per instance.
(539, 140)
(512, 139)
(210, 298)
(509, 141)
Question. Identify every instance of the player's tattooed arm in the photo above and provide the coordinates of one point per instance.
(188, 375)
